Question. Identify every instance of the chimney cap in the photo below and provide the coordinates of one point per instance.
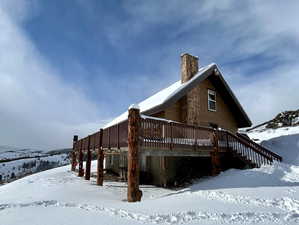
(134, 106)
(189, 55)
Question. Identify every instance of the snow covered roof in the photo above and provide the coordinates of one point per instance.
(174, 92)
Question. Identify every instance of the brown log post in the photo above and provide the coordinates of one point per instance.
(73, 154)
(109, 138)
(134, 194)
(81, 170)
(118, 145)
(171, 135)
(88, 161)
(100, 161)
(215, 156)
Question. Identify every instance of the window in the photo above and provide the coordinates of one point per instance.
(211, 100)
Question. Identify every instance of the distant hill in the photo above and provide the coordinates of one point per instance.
(284, 119)
(18, 162)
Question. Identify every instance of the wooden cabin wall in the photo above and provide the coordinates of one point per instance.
(159, 114)
(223, 116)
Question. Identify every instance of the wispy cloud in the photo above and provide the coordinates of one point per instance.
(255, 43)
(131, 50)
(37, 108)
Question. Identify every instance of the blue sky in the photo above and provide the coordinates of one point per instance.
(69, 66)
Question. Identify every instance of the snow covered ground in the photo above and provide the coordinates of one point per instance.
(267, 195)
(17, 162)
(283, 141)
(9, 152)
(263, 134)
(19, 168)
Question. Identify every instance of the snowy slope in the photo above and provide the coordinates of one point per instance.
(9, 152)
(267, 195)
(262, 133)
(19, 168)
(17, 162)
(283, 141)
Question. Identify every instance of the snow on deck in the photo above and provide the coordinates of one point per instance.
(160, 97)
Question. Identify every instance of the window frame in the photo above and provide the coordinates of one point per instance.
(212, 92)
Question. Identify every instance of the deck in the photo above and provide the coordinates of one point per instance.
(139, 137)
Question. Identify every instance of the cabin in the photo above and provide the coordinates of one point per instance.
(187, 130)
(201, 97)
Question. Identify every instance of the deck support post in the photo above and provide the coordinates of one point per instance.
(88, 161)
(73, 153)
(215, 156)
(80, 159)
(134, 194)
(100, 161)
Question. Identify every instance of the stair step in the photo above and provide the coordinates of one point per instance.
(244, 159)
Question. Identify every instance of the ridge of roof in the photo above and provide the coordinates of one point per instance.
(167, 96)
(162, 96)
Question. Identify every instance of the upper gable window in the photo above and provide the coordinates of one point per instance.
(211, 100)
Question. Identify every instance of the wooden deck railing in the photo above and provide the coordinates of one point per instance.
(116, 136)
(164, 135)
(160, 134)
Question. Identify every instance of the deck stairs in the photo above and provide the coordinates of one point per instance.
(251, 153)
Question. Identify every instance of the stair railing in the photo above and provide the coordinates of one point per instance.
(261, 148)
(250, 151)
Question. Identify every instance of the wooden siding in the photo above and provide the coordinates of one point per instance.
(159, 114)
(223, 116)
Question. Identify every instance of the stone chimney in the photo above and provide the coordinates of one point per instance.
(189, 67)
(191, 102)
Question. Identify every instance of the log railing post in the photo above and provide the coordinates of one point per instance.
(109, 146)
(215, 156)
(81, 170)
(134, 194)
(171, 136)
(100, 161)
(118, 145)
(73, 154)
(88, 161)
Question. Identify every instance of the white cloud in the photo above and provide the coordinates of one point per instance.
(230, 31)
(37, 109)
(224, 32)
(265, 97)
